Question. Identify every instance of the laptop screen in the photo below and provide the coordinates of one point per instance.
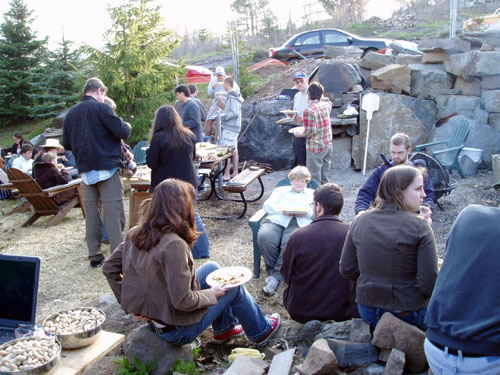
(18, 289)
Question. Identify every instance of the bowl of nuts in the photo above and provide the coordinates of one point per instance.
(29, 356)
(76, 327)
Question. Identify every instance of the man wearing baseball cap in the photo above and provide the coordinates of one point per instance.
(300, 102)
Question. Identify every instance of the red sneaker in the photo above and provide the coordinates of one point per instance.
(223, 337)
(275, 321)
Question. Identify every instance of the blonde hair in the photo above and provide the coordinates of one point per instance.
(300, 173)
(49, 157)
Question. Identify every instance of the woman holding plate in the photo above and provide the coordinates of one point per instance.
(174, 297)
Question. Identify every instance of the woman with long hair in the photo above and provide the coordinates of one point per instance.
(174, 297)
(170, 155)
(390, 251)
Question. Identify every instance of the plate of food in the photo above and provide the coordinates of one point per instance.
(230, 277)
(289, 113)
(296, 212)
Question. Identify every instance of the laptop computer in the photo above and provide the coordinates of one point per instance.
(18, 293)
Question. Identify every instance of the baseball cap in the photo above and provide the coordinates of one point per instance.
(219, 71)
(299, 75)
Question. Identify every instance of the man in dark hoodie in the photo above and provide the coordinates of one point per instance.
(231, 125)
(463, 316)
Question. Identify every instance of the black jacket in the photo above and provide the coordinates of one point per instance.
(93, 132)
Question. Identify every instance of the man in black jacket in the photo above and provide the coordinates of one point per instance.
(93, 132)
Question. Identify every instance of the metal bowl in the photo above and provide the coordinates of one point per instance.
(79, 339)
(45, 369)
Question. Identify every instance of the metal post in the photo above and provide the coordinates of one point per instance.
(453, 18)
(235, 55)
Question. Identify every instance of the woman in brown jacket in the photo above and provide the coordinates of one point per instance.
(152, 275)
(390, 251)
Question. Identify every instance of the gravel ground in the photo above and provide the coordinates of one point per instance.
(65, 271)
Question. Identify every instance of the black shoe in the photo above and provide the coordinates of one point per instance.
(97, 262)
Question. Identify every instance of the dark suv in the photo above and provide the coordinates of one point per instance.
(310, 44)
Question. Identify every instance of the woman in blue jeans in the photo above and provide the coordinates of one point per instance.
(152, 275)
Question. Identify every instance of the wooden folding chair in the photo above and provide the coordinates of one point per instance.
(40, 199)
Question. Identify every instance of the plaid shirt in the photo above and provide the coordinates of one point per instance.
(317, 126)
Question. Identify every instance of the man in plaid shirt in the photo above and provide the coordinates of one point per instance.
(318, 131)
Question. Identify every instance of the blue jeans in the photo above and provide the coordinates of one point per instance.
(372, 315)
(236, 306)
(442, 363)
(201, 248)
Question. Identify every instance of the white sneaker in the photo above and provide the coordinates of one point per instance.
(272, 284)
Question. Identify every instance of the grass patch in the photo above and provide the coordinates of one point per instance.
(28, 130)
(366, 29)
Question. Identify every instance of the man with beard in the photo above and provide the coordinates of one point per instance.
(400, 149)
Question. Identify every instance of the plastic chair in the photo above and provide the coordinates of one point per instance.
(256, 219)
(448, 157)
(139, 153)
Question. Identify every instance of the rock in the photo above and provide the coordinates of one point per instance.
(396, 363)
(384, 354)
(341, 156)
(116, 318)
(375, 369)
(396, 113)
(444, 45)
(494, 120)
(486, 47)
(282, 363)
(404, 47)
(491, 82)
(394, 78)
(473, 64)
(243, 365)
(319, 360)
(374, 60)
(270, 352)
(336, 51)
(425, 67)
(289, 330)
(360, 331)
(392, 332)
(265, 141)
(356, 88)
(350, 353)
(464, 105)
(338, 76)
(491, 100)
(335, 330)
(468, 88)
(427, 84)
(307, 335)
(491, 37)
(147, 346)
(408, 59)
(437, 57)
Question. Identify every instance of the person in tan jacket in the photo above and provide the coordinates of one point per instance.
(152, 275)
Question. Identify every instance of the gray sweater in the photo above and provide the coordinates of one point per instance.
(232, 120)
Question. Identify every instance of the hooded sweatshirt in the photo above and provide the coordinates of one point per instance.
(232, 120)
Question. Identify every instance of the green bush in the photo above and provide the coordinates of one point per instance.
(136, 368)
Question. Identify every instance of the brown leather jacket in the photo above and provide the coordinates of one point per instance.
(392, 256)
(160, 283)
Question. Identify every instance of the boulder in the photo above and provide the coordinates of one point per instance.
(494, 121)
(491, 100)
(392, 332)
(338, 76)
(374, 60)
(350, 353)
(473, 64)
(147, 346)
(464, 105)
(335, 330)
(336, 51)
(265, 141)
(394, 78)
(319, 360)
(341, 156)
(360, 331)
(397, 113)
(374, 369)
(491, 82)
(437, 57)
(396, 363)
(427, 84)
(452, 46)
(116, 318)
(468, 88)
(491, 37)
(282, 363)
(404, 47)
(307, 335)
(243, 365)
(408, 59)
(425, 67)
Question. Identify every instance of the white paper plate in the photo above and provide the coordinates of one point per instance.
(218, 277)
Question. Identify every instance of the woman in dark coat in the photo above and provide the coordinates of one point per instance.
(47, 175)
(170, 155)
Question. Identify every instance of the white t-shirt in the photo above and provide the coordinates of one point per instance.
(300, 102)
(22, 164)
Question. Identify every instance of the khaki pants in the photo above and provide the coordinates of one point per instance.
(319, 165)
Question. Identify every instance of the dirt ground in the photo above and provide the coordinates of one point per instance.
(67, 277)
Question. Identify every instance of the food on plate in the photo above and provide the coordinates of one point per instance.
(27, 353)
(289, 113)
(229, 276)
(74, 321)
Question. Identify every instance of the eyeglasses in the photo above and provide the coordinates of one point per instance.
(312, 204)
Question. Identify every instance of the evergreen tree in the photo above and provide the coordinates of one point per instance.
(57, 86)
(20, 54)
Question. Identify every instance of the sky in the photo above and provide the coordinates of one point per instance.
(85, 21)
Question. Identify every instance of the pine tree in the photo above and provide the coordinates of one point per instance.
(20, 54)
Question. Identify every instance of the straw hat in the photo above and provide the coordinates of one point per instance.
(52, 143)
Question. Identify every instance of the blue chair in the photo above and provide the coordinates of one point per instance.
(139, 153)
(256, 219)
